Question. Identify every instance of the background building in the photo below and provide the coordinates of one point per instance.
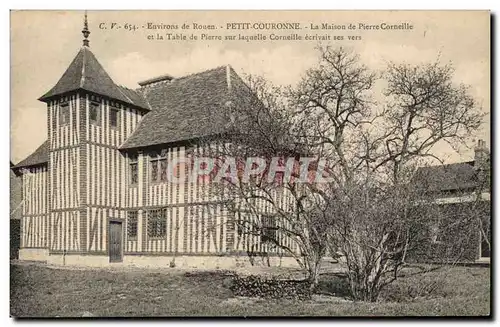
(460, 229)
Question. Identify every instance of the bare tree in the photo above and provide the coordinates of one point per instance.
(371, 210)
(383, 215)
(271, 215)
(332, 104)
(424, 107)
(329, 106)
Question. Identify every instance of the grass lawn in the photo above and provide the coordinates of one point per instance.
(38, 291)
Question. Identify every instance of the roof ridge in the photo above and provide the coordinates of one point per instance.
(174, 80)
(120, 90)
(124, 87)
(139, 93)
(469, 162)
(199, 73)
(82, 79)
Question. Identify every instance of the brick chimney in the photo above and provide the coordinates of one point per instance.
(163, 79)
(482, 164)
(481, 155)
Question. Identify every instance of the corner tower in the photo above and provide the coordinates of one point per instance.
(88, 118)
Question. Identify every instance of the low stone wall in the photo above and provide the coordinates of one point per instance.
(205, 262)
(32, 254)
(79, 260)
(156, 261)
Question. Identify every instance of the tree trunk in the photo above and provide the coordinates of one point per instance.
(314, 275)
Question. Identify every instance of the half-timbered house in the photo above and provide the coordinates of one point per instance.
(96, 193)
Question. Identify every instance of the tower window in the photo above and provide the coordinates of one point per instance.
(64, 114)
(94, 113)
(113, 117)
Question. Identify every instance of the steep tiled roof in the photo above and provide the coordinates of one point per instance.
(86, 73)
(451, 177)
(38, 157)
(185, 108)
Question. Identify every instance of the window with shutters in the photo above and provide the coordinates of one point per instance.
(157, 223)
(132, 220)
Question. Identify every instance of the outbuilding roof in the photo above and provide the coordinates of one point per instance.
(446, 178)
(39, 157)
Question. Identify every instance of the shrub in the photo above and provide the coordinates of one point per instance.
(334, 285)
(256, 286)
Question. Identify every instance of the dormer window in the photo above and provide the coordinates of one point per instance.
(94, 113)
(113, 117)
(64, 114)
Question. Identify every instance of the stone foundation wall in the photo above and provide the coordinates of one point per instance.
(156, 261)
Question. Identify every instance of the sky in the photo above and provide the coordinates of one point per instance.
(43, 43)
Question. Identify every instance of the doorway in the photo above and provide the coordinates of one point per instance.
(115, 241)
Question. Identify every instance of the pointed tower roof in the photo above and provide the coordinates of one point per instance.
(86, 73)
